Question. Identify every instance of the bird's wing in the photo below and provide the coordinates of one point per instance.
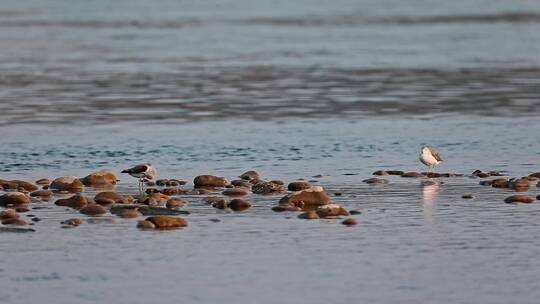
(136, 169)
(435, 154)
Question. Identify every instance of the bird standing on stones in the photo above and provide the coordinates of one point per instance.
(142, 172)
(430, 157)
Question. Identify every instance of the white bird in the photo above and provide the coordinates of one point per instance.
(142, 172)
(430, 157)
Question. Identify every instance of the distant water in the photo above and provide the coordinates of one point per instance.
(293, 89)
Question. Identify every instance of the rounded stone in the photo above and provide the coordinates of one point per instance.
(375, 180)
(8, 214)
(67, 183)
(309, 215)
(349, 222)
(169, 191)
(210, 181)
(175, 202)
(76, 201)
(518, 199)
(99, 179)
(72, 222)
(14, 222)
(24, 185)
(164, 222)
(331, 210)
(250, 175)
(412, 174)
(93, 210)
(283, 208)
(239, 191)
(266, 188)
(500, 183)
(239, 204)
(128, 213)
(355, 211)
(43, 181)
(14, 199)
(145, 225)
(241, 183)
(41, 193)
(108, 197)
(214, 199)
(467, 196)
(313, 197)
(299, 185)
(380, 172)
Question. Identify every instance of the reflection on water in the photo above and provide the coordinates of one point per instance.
(430, 194)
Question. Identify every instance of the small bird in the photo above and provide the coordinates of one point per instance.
(430, 157)
(142, 172)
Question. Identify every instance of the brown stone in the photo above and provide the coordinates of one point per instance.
(537, 174)
(308, 198)
(169, 191)
(128, 213)
(241, 183)
(412, 174)
(145, 225)
(240, 191)
(72, 222)
(331, 210)
(199, 191)
(67, 183)
(221, 204)
(380, 172)
(43, 181)
(93, 210)
(209, 181)
(162, 182)
(309, 215)
(518, 199)
(165, 222)
(500, 183)
(76, 201)
(110, 197)
(250, 175)
(176, 182)
(214, 199)
(239, 204)
(8, 214)
(375, 180)
(175, 202)
(283, 208)
(27, 186)
(486, 183)
(14, 199)
(395, 172)
(355, 211)
(99, 179)
(349, 222)
(263, 187)
(41, 193)
(14, 222)
(297, 186)
(520, 185)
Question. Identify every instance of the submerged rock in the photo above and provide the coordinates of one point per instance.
(93, 210)
(67, 183)
(109, 197)
(520, 185)
(355, 211)
(349, 222)
(518, 199)
(412, 174)
(250, 175)
(76, 201)
(241, 183)
(395, 172)
(331, 210)
(500, 183)
(467, 196)
(283, 208)
(169, 191)
(145, 225)
(239, 204)
(239, 191)
(209, 181)
(8, 214)
(297, 186)
(375, 180)
(175, 202)
(23, 185)
(14, 222)
(74, 222)
(380, 172)
(99, 179)
(266, 188)
(16, 229)
(164, 222)
(14, 199)
(308, 198)
(309, 215)
(41, 193)
(128, 213)
(214, 199)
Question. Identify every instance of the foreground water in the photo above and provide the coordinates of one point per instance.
(292, 89)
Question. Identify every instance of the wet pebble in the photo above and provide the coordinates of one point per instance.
(241, 183)
(93, 210)
(250, 175)
(239, 204)
(41, 193)
(350, 222)
(74, 222)
(518, 199)
(175, 202)
(43, 181)
(283, 208)
(8, 214)
(14, 199)
(331, 210)
(145, 225)
(164, 222)
(110, 197)
(102, 178)
(412, 174)
(308, 198)
(209, 181)
(309, 215)
(129, 213)
(375, 180)
(67, 183)
(299, 185)
(263, 187)
(380, 172)
(467, 196)
(355, 211)
(240, 191)
(76, 201)
(169, 191)
(500, 183)
(14, 222)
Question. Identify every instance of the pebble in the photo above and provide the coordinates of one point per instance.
(76, 201)
(93, 210)
(209, 181)
(518, 199)
(236, 192)
(213, 199)
(395, 172)
(102, 178)
(241, 183)
(169, 191)
(14, 199)
(74, 222)
(349, 222)
(520, 185)
(297, 186)
(380, 172)
(8, 214)
(14, 222)
(35, 219)
(375, 180)
(250, 175)
(500, 183)
(67, 183)
(145, 225)
(175, 202)
(355, 211)
(309, 215)
(41, 193)
(331, 210)
(162, 182)
(467, 195)
(239, 204)
(110, 197)
(265, 188)
(164, 222)
(129, 213)
(306, 199)
(412, 174)
(215, 220)
(24, 185)
(43, 181)
(282, 208)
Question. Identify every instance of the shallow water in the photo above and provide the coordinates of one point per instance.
(292, 89)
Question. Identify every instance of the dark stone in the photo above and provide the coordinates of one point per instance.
(209, 181)
(249, 175)
(239, 204)
(267, 188)
(518, 199)
(375, 180)
(412, 174)
(297, 186)
(380, 172)
(349, 222)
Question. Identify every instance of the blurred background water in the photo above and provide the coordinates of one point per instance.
(292, 89)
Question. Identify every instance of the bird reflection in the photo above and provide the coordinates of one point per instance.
(430, 193)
